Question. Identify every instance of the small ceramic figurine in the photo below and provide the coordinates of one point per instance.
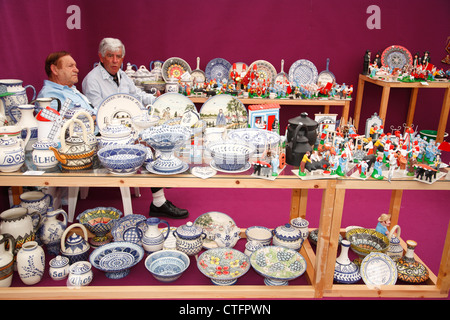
(305, 159)
(384, 221)
(366, 63)
(377, 172)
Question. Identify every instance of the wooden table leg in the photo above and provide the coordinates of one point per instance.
(412, 106)
(16, 192)
(384, 103)
(443, 281)
(444, 116)
(358, 102)
(346, 111)
(299, 199)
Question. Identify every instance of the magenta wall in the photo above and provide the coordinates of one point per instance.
(236, 31)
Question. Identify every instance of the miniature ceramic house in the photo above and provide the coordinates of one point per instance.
(326, 119)
(373, 121)
(264, 116)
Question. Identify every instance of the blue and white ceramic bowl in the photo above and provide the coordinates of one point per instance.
(260, 138)
(116, 258)
(122, 159)
(167, 265)
(230, 155)
(166, 138)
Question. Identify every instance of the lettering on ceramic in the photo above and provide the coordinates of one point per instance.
(374, 20)
(74, 20)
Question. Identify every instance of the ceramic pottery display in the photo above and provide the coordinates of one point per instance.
(261, 139)
(167, 265)
(230, 155)
(52, 230)
(12, 153)
(378, 269)
(19, 224)
(80, 274)
(364, 241)
(6, 259)
(26, 120)
(395, 250)
(409, 270)
(153, 239)
(259, 234)
(43, 157)
(99, 221)
(75, 247)
(190, 238)
(345, 271)
(116, 258)
(122, 159)
(287, 236)
(223, 266)
(278, 265)
(30, 263)
(18, 96)
(129, 228)
(59, 268)
(302, 225)
(166, 139)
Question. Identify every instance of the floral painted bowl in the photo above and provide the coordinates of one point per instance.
(364, 241)
(260, 138)
(116, 258)
(278, 265)
(223, 265)
(99, 221)
(230, 155)
(167, 265)
(122, 159)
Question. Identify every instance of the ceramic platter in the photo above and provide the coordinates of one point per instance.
(174, 68)
(303, 72)
(224, 110)
(217, 69)
(171, 105)
(213, 222)
(378, 269)
(396, 57)
(118, 106)
(265, 69)
(239, 69)
(124, 229)
(326, 76)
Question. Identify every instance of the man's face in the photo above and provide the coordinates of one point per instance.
(66, 71)
(112, 61)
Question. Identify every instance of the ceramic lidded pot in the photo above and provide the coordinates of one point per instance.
(408, 269)
(12, 153)
(116, 133)
(59, 268)
(287, 236)
(80, 274)
(302, 225)
(75, 247)
(6, 259)
(43, 157)
(190, 238)
(345, 271)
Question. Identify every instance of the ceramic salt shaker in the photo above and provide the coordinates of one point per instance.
(59, 268)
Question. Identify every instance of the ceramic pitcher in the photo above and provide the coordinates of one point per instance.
(36, 201)
(12, 153)
(45, 125)
(153, 238)
(20, 96)
(6, 259)
(26, 120)
(395, 250)
(52, 230)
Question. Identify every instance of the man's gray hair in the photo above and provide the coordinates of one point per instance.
(112, 45)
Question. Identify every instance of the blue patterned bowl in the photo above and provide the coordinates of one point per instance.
(99, 221)
(258, 137)
(230, 155)
(167, 265)
(166, 138)
(116, 258)
(122, 159)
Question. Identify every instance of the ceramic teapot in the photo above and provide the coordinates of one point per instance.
(142, 74)
(287, 236)
(153, 239)
(130, 71)
(75, 247)
(88, 122)
(189, 238)
(12, 152)
(75, 153)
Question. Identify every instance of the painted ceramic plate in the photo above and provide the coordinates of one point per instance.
(174, 68)
(224, 110)
(265, 69)
(217, 69)
(213, 222)
(124, 229)
(303, 72)
(171, 105)
(378, 269)
(396, 57)
(119, 106)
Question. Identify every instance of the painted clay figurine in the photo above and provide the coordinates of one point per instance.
(384, 221)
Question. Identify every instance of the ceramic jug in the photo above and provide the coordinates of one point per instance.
(395, 250)
(190, 238)
(75, 247)
(31, 263)
(52, 230)
(408, 269)
(12, 153)
(26, 120)
(20, 96)
(19, 223)
(36, 201)
(130, 71)
(346, 271)
(6, 259)
(153, 239)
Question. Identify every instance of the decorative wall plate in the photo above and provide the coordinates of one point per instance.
(213, 222)
(171, 105)
(265, 69)
(396, 57)
(217, 69)
(303, 72)
(224, 110)
(120, 106)
(174, 68)
(378, 269)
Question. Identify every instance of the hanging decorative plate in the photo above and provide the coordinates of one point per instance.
(213, 222)
(171, 105)
(326, 76)
(396, 57)
(378, 269)
(224, 110)
(217, 69)
(303, 72)
(118, 106)
(174, 68)
(265, 70)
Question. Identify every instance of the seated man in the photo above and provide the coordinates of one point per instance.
(107, 79)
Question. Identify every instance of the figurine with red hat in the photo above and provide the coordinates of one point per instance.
(377, 172)
(342, 168)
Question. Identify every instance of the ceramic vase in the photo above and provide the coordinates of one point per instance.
(346, 271)
(36, 201)
(409, 270)
(395, 250)
(31, 263)
(52, 230)
(6, 259)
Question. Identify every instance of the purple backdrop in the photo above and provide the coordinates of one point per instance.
(238, 31)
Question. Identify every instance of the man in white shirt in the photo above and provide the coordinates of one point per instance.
(108, 78)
